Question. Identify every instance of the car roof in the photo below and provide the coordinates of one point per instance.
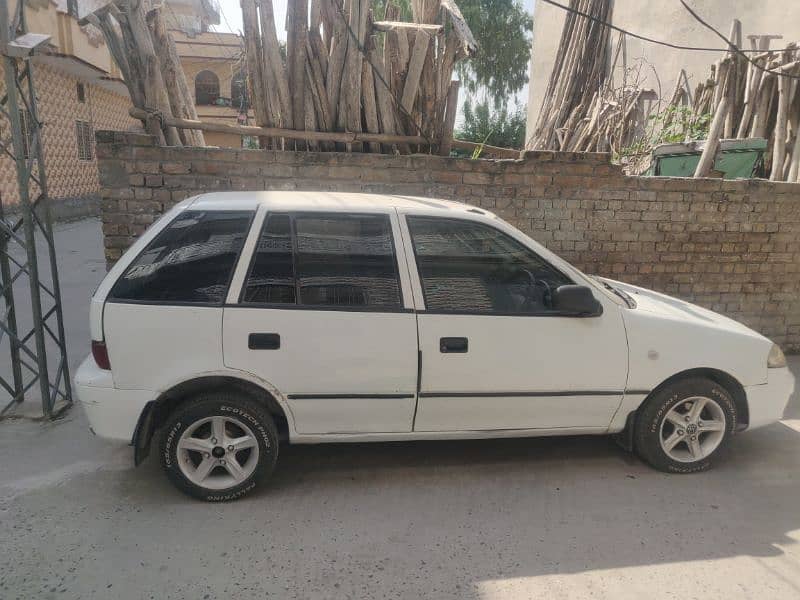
(325, 201)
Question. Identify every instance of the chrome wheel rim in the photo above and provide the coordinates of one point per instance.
(692, 429)
(217, 453)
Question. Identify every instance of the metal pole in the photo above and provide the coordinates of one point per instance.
(7, 284)
(28, 154)
(18, 141)
(47, 227)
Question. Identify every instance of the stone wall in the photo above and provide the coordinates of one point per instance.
(732, 246)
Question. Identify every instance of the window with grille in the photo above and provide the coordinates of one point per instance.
(84, 134)
(81, 90)
(27, 131)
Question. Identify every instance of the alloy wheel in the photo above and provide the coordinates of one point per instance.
(692, 429)
(217, 452)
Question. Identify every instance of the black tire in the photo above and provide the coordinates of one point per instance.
(653, 412)
(232, 406)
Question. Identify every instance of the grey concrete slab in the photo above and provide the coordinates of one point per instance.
(555, 518)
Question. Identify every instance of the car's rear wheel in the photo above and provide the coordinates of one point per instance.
(682, 427)
(219, 446)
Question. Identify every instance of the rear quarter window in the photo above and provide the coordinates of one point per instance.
(190, 261)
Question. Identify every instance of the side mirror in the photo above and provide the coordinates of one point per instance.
(576, 300)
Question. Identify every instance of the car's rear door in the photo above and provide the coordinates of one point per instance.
(323, 312)
(163, 316)
(494, 357)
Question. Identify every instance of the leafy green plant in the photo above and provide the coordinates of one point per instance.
(672, 125)
(495, 127)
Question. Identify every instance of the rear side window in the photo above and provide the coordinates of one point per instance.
(325, 260)
(191, 261)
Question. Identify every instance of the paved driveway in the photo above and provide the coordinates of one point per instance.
(554, 518)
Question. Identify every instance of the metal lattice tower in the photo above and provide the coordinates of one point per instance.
(29, 338)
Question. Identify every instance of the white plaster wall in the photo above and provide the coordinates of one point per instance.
(665, 20)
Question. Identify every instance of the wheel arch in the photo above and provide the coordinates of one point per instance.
(156, 411)
(732, 385)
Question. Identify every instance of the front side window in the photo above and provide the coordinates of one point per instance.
(192, 260)
(466, 266)
(324, 260)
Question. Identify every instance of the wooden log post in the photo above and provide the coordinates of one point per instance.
(781, 120)
(761, 110)
(141, 43)
(316, 78)
(451, 108)
(296, 44)
(369, 97)
(712, 142)
(277, 81)
(750, 97)
(317, 47)
(387, 112)
(350, 119)
(415, 64)
(181, 100)
(333, 79)
(255, 65)
(344, 137)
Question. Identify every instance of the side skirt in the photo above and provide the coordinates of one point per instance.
(328, 438)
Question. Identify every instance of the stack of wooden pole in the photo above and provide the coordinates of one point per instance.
(345, 71)
(142, 47)
(756, 98)
(577, 106)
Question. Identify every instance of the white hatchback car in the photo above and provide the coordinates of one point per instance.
(240, 319)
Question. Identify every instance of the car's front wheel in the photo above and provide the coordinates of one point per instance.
(683, 426)
(219, 446)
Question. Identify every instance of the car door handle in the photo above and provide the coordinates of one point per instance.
(453, 344)
(264, 341)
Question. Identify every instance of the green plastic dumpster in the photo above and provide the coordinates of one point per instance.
(736, 159)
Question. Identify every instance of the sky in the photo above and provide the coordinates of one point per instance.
(231, 20)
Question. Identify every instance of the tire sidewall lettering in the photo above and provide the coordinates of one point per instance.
(251, 419)
(653, 412)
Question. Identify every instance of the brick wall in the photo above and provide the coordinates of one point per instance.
(732, 246)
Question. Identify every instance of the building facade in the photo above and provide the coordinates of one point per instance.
(214, 66)
(657, 67)
(80, 90)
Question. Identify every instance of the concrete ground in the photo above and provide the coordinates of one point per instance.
(554, 518)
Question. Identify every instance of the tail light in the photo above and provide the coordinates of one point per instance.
(100, 354)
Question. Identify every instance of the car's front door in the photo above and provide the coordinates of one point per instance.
(324, 314)
(495, 355)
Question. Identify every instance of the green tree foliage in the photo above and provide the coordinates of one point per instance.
(495, 127)
(503, 30)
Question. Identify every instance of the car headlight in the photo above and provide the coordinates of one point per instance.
(776, 359)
